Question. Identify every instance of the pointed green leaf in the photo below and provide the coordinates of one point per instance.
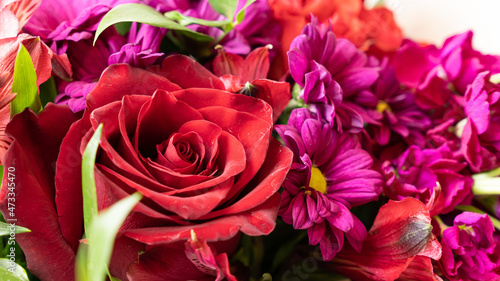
(241, 14)
(88, 180)
(92, 259)
(48, 91)
(143, 14)
(6, 229)
(226, 8)
(24, 84)
(14, 271)
(186, 20)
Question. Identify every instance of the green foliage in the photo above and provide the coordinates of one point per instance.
(241, 14)
(144, 14)
(48, 91)
(186, 20)
(24, 84)
(88, 180)
(92, 259)
(5, 229)
(226, 8)
(12, 271)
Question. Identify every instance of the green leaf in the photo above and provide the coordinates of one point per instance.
(24, 84)
(226, 8)
(15, 271)
(468, 208)
(186, 20)
(5, 274)
(48, 91)
(5, 229)
(92, 259)
(143, 14)
(88, 180)
(486, 186)
(241, 14)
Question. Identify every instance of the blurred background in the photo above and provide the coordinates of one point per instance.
(433, 21)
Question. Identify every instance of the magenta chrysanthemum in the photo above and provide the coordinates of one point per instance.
(391, 110)
(332, 71)
(71, 32)
(469, 249)
(428, 175)
(330, 174)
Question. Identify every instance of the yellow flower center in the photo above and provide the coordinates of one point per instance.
(383, 106)
(318, 181)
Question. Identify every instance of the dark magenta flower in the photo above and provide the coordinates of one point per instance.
(481, 134)
(469, 249)
(71, 32)
(332, 71)
(425, 173)
(257, 29)
(58, 22)
(329, 175)
(393, 111)
(400, 235)
(440, 77)
(462, 63)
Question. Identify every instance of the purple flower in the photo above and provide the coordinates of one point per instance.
(329, 175)
(143, 47)
(462, 63)
(318, 50)
(393, 110)
(71, 32)
(428, 175)
(256, 30)
(58, 21)
(469, 249)
(481, 134)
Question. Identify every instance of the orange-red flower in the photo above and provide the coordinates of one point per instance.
(350, 19)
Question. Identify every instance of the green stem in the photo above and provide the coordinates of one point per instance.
(489, 174)
(486, 186)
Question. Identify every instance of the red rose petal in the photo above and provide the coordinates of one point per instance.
(119, 80)
(277, 94)
(200, 98)
(258, 221)
(68, 181)
(253, 133)
(182, 69)
(158, 119)
(265, 183)
(167, 262)
(33, 154)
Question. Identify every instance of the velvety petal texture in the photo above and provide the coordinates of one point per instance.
(30, 162)
(203, 158)
(401, 232)
(330, 174)
(248, 77)
(428, 174)
(469, 249)
(332, 72)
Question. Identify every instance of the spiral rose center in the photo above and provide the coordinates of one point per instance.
(181, 152)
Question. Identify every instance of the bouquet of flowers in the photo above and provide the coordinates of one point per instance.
(243, 140)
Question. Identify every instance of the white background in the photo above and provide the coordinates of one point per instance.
(432, 21)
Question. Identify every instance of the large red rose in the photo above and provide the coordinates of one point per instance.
(203, 158)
